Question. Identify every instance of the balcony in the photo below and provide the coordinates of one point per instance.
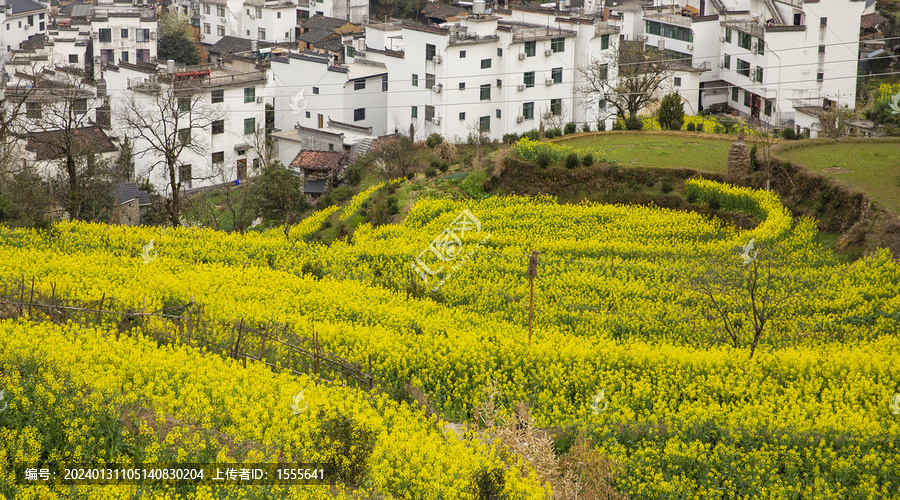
(668, 18)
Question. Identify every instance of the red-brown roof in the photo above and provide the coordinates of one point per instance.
(871, 21)
(51, 145)
(319, 160)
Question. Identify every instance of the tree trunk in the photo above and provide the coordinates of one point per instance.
(175, 205)
(74, 205)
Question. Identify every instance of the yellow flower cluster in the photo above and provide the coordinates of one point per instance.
(611, 313)
(532, 150)
(887, 91)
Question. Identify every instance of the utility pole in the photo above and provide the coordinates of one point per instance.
(532, 272)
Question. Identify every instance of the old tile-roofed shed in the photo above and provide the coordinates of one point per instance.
(323, 161)
(46, 145)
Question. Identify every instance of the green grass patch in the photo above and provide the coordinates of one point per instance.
(867, 166)
(666, 149)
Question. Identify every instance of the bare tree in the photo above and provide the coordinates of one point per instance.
(746, 293)
(640, 74)
(834, 123)
(165, 120)
(60, 129)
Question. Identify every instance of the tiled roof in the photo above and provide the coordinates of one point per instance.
(232, 44)
(439, 11)
(871, 21)
(20, 6)
(37, 41)
(323, 23)
(315, 187)
(316, 35)
(47, 145)
(319, 160)
(127, 191)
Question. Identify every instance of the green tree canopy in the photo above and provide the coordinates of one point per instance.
(671, 112)
(176, 39)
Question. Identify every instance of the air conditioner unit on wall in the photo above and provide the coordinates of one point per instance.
(522, 56)
(259, 100)
(437, 88)
(222, 20)
(549, 81)
(548, 52)
(437, 59)
(721, 38)
(520, 119)
(522, 87)
(436, 120)
(721, 65)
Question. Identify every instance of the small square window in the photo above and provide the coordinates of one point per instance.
(530, 48)
(249, 126)
(462, 116)
(485, 63)
(677, 81)
(415, 112)
(528, 110)
(184, 104)
(462, 85)
(278, 15)
(249, 94)
(486, 92)
(80, 106)
(359, 114)
(498, 113)
(218, 157)
(462, 54)
(735, 94)
(308, 115)
(556, 75)
(555, 106)
(499, 83)
(558, 45)
(73, 58)
(820, 77)
(184, 173)
(823, 22)
(359, 84)
(821, 49)
(529, 79)
(218, 127)
(124, 33)
(217, 96)
(499, 52)
(315, 90)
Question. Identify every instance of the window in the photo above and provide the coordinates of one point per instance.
(462, 116)
(384, 83)
(105, 35)
(415, 112)
(743, 68)
(359, 114)
(820, 77)
(744, 40)
(485, 63)
(429, 52)
(315, 90)
(677, 81)
(558, 44)
(499, 52)
(499, 83)
(40, 16)
(220, 30)
(484, 124)
(604, 42)
(249, 126)
(124, 56)
(217, 96)
(728, 34)
(206, 9)
(530, 49)
(261, 33)
(73, 58)
(308, 114)
(218, 157)
(218, 127)
(415, 80)
(107, 55)
(207, 29)
(821, 49)
(184, 104)
(249, 94)
(727, 62)
(124, 33)
(462, 54)
(528, 110)
(184, 173)
(142, 35)
(41, 25)
(462, 85)
(31, 20)
(602, 104)
(746, 98)
(734, 93)
(259, 13)
(768, 107)
(429, 80)
(760, 46)
(556, 75)
(497, 114)
(823, 22)
(33, 110)
(143, 55)
(555, 106)
(220, 10)
(486, 92)
(759, 74)
(184, 136)
(603, 71)
(351, 51)
(429, 113)
(80, 106)
(278, 15)
(359, 84)
(529, 78)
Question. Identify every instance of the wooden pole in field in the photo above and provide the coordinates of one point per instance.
(532, 273)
